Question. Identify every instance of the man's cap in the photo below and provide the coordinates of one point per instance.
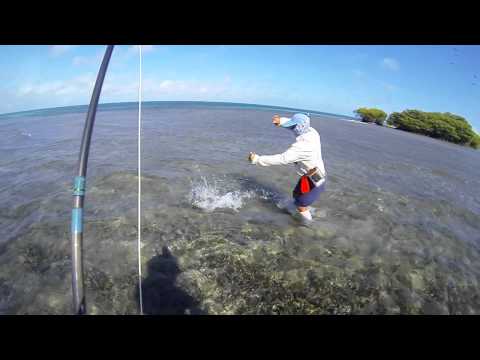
(296, 119)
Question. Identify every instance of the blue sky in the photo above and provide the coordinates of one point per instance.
(335, 79)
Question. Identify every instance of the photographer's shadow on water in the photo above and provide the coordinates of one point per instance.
(161, 296)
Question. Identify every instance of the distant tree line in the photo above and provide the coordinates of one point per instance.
(371, 115)
(445, 126)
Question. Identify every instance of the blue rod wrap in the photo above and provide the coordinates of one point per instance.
(79, 186)
(77, 220)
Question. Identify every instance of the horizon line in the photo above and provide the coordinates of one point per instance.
(178, 101)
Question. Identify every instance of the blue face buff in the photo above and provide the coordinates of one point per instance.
(299, 124)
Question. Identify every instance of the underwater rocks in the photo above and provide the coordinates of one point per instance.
(36, 258)
(200, 268)
(35, 270)
(34, 253)
(36, 266)
(208, 263)
(6, 293)
(229, 278)
(289, 274)
(108, 294)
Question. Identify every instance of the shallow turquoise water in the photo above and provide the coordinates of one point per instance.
(397, 230)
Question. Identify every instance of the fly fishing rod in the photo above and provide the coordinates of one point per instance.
(79, 306)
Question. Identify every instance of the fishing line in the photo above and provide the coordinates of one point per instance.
(139, 242)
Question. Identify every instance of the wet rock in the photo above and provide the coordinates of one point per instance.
(34, 257)
(6, 295)
(434, 308)
(289, 231)
(324, 233)
(417, 281)
(246, 229)
(305, 231)
(100, 284)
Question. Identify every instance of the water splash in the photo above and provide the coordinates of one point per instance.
(211, 196)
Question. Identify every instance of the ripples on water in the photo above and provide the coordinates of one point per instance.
(397, 230)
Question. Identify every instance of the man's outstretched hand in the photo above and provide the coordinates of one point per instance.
(251, 157)
(276, 120)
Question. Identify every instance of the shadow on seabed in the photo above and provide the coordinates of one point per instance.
(161, 296)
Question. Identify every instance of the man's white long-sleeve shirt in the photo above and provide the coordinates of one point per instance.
(305, 154)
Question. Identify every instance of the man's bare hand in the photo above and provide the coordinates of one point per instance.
(251, 156)
(276, 120)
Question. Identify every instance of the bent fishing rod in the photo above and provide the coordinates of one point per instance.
(79, 306)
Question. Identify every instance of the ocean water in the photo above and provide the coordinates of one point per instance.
(397, 230)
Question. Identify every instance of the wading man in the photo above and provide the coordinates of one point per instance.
(306, 154)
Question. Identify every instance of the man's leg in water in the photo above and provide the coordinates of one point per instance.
(302, 207)
(304, 212)
(302, 202)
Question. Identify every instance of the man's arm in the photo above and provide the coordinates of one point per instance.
(292, 155)
(278, 121)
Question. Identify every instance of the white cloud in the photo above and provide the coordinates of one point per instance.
(79, 85)
(390, 64)
(124, 87)
(57, 50)
(121, 86)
